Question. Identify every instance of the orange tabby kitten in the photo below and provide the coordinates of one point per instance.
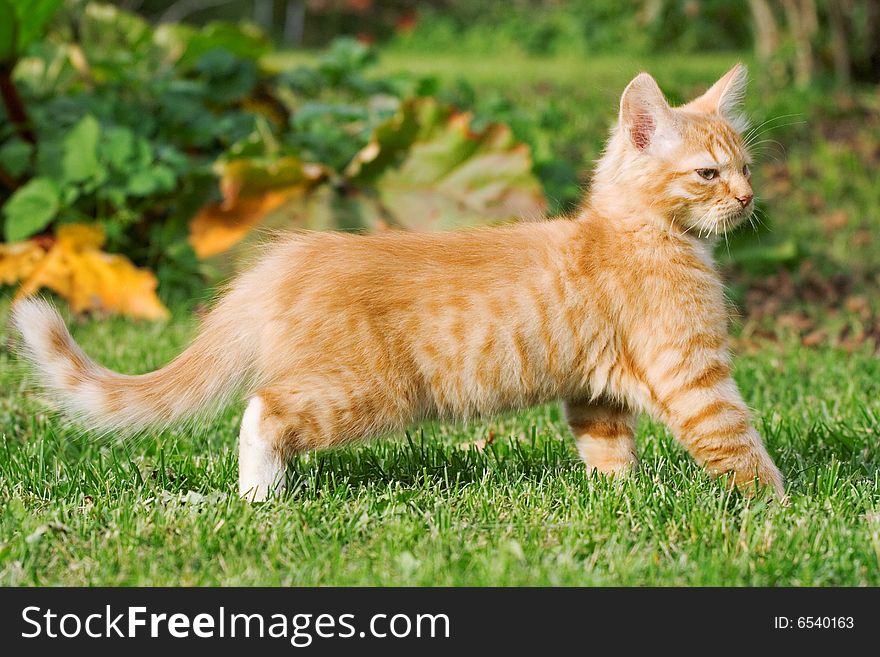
(339, 337)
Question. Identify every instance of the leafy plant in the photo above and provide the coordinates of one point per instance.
(424, 168)
(180, 137)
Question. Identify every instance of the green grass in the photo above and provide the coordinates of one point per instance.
(423, 510)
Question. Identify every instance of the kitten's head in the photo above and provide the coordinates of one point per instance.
(690, 162)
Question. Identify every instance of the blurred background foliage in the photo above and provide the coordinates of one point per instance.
(806, 38)
(141, 143)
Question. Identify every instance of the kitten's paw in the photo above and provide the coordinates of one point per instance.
(769, 475)
(615, 466)
(765, 475)
(751, 475)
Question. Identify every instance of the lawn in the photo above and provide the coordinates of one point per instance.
(429, 508)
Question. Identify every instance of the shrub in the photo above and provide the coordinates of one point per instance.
(130, 129)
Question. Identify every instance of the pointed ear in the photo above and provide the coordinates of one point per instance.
(645, 115)
(725, 96)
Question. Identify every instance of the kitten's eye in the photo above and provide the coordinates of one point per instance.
(746, 171)
(707, 174)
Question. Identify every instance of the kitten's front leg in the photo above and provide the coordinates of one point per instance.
(603, 432)
(708, 416)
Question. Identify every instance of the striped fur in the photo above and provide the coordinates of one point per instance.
(337, 337)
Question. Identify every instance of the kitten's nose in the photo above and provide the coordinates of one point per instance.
(745, 199)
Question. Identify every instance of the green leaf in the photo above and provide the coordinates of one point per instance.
(112, 193)
(143, 153)
(8, 29)
(33, 15)
(117, 148)
(157, 179)
(228, 78)
(69, 194)
(30, 209)
(257, 175)
(246, 42)
(79, 160)
(345, 57)
(173, 158)
(109, 33)
(15, 156)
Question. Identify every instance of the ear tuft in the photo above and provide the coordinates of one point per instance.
(642, 107)
(731, 98)
(726, 96)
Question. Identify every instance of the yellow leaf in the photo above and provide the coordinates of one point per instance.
(75, 268)
(120, 286)
(18, 260)
(53, 271)
(80, 236)
(218, 226)
(251, 189)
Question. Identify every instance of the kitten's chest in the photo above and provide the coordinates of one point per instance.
(668, 275)
(658, 286)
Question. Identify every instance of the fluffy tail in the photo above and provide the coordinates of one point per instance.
(214, 365)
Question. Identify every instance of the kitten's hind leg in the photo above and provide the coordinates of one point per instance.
(284, 420)
(603, 432)
(260, 460)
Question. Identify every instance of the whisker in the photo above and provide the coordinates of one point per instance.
(767, 141)
(773, 118)
(752, 132)
(764, 154)
(751, 139)
(705, 222)
(726, 241)
(757, 215)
